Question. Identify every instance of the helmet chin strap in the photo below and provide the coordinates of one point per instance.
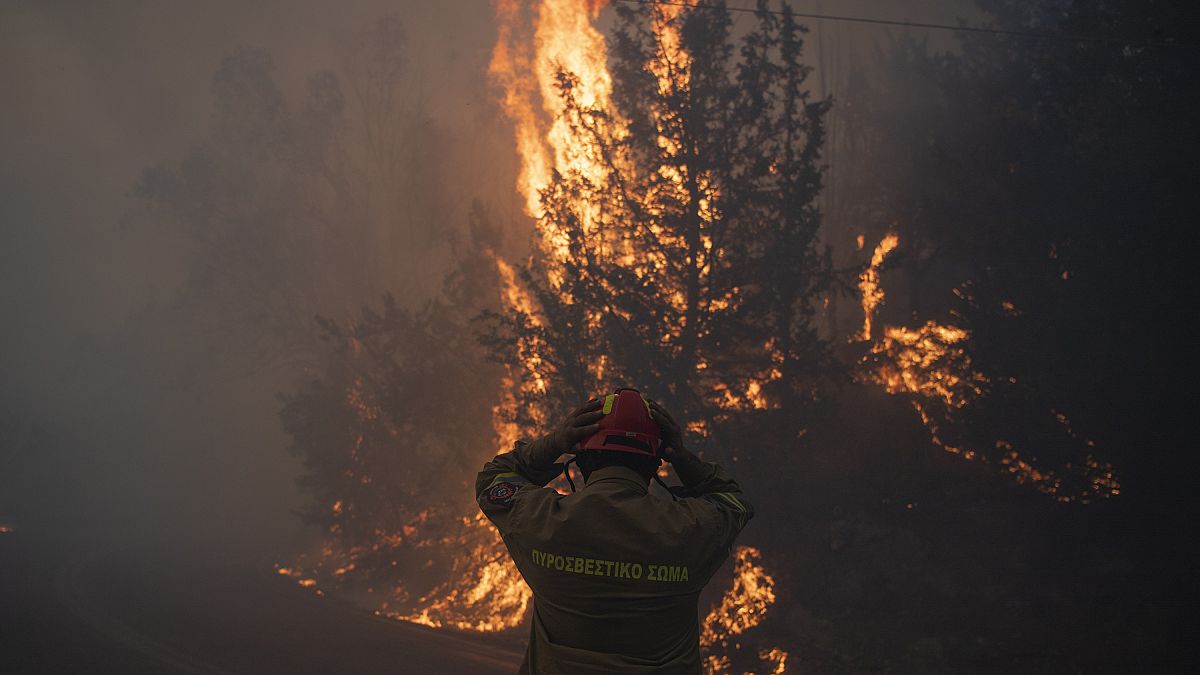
(567, 472)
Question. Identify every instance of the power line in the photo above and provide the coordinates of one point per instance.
(919, 24)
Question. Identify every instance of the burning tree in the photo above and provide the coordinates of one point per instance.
(676, 243)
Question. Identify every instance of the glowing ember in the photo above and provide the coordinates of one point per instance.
(775, 656)
(483, 590)
(1099, 479)
(4, 529)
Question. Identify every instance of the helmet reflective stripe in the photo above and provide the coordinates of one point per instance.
(608, 403)
(622, 427)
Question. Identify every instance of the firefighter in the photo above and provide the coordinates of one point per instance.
(616, 572)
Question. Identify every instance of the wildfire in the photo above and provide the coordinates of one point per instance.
(551, 66)
(486, 593)
(930, 365)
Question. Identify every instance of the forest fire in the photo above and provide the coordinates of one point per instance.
(607, 219)
(910, 276)
(550, 63)
(931, 366)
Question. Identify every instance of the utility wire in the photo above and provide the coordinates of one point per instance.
(919, 24)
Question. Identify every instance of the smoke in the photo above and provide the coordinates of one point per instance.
(129, 399)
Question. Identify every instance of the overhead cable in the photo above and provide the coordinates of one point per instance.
(919, 24)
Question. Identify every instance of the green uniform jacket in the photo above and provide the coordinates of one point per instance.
(616, 572)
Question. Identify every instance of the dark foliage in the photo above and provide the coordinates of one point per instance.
(406, 395)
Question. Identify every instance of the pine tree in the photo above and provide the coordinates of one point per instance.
(688, 264)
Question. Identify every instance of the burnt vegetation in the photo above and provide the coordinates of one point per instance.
(1038, 187)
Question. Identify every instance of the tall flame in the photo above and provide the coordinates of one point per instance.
(564, 44)
(868, 282)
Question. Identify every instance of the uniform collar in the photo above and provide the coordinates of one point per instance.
(617, 475)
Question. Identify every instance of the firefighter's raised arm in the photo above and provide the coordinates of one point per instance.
(701, 479)
(531, 465)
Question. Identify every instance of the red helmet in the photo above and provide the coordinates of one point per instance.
(626, 426)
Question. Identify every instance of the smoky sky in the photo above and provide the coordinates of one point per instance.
(95, 92)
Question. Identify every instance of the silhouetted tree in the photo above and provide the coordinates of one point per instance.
(393, 429)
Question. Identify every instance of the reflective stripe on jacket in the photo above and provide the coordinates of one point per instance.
(616, 572)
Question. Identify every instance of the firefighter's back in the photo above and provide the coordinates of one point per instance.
(617, 570)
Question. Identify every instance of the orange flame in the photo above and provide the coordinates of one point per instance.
(487, 594)
(545, 52)
(565, 42)
(868, 281)
(743, 606)
(746, 602)
(930, 364)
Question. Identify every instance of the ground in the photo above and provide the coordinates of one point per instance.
(81, 604)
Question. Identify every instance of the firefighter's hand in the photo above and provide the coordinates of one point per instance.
(672, 435)
(579, 425)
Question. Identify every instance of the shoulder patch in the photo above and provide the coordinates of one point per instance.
(502, 493)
